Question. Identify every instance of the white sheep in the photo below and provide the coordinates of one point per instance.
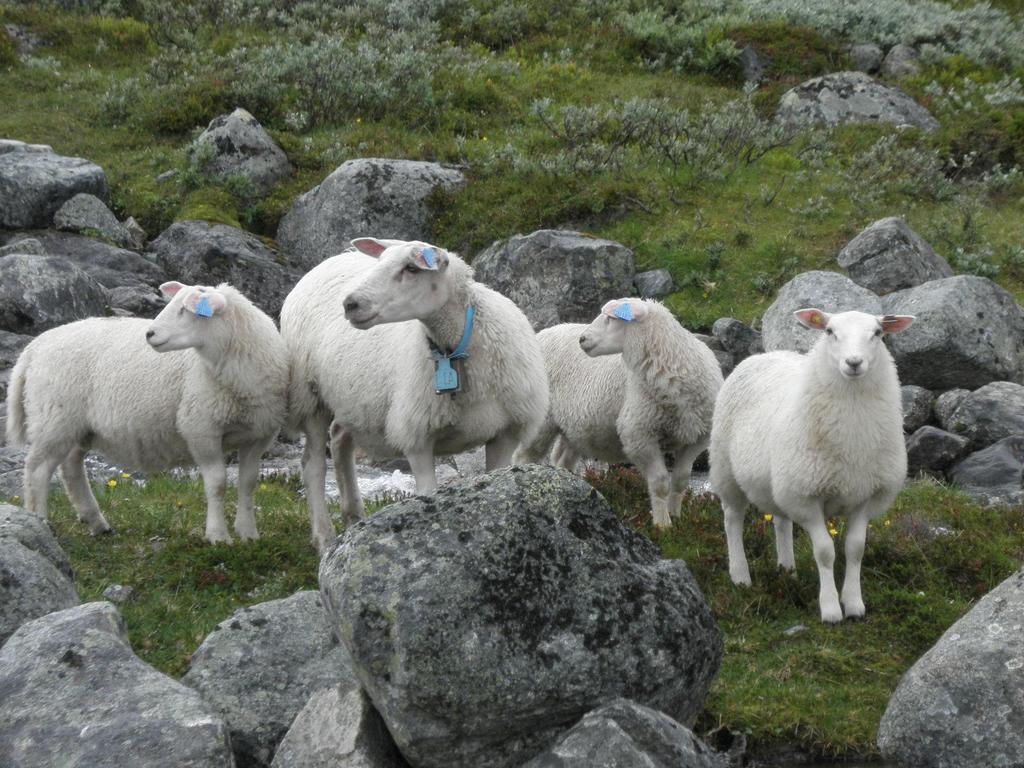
(653, 399)
(807, 437)
(101, 384)
(361, 328)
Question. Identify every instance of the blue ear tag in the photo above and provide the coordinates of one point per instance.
(203, 308)
(446, 378)
(624, 312)
(428, 257)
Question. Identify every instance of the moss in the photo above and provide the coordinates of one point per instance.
(209, 204)
(183, 108)
(791, 53)
(8, 54)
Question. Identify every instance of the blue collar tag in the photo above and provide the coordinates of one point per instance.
(446, 377)
(624, 312)
(203, 308)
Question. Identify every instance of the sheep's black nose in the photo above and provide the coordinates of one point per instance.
(854, 362)
(350, 304)
(150, 334)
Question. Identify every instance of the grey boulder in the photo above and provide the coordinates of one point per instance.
(968, 332)
(557, 276)
(945, 405)
(87, 213)
(198, 252)
(739, 340)
(27, 245)
(239, 146)
(33, 532)
(73, 693)
(653, 284)
(990, 413)
(901, 61)
(259, 667)
(30, 586)
(367, 197)
(917, 407)
(624, 734)
(828, 291)
(11, 345)
(993, 475)
(41, 292)
(852, 97)
(866, 57)
(962, 703)
(889, 255)
(35, 182)
(485, 620)
(932, 450)
(338, 728)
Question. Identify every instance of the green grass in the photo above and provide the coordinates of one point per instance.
(822, 690)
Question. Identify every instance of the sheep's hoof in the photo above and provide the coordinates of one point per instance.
(104, 531)
(831, 616)
(854, 611)
(218, 538)
(247, 536)
(740, 580)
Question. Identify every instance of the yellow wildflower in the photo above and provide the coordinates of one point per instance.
(111, 483)
(125, 475)
(888, 522)
(833, 531)
(263, 486)
(768, 518)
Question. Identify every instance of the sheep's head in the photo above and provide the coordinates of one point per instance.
(185, 322)
(607, 334)
(853, 340)
(410, 282)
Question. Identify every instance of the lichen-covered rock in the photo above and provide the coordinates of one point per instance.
(30, 587)
(239, 146)
(993, 475)
(852, 97)
(41, 292)
(653, 284)
(87, 213)
(962, 704)
(485, 620)
(968, 332)
(917, 407)
(624, 734)
(888, 256)
(828, 291)
(901, 61)
(989, 414)
(73, 693)
(33, 532)
(932, 450)
(201, 253)
(866, 57)
(338, 728)
(366, 197)
(557, 276)
(35, 182)
(27, 245)
(945, 405)
(739, 340)
(259, 668)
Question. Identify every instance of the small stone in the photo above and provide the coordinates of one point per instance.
(946, 404)
(88, 214)
(901, 61)
(136, 233)
(993, 475)
(654, 284)
(889, 256)
(932, 450)
(990, 413)
(119, 593)
(738, 339)
(866, 57)
(166, 176)
(241, 147)
(795, 630)
(753, 65)
(917, 407)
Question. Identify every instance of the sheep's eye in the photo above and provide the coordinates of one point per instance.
(411, 269)
(878, 332)
(828, 332)
(181, 309)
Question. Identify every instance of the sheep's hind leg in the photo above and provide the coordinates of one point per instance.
(40, 464)
(498, 452)
(784, 541)
(537, 449)
(343, 454)
(248, 473)
(76, 485)
(734, 508)
(314, 473)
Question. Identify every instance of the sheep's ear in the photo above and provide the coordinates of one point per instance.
(430, 257)
(206, 302)
(814, 319)
(371, 246)
(895, 323)
(630, 310)
(170, 288)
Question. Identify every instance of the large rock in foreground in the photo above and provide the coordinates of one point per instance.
(485, 620)
(259, 668)
(237, 145)
(41, 292)
(73, 693)
(201, 253)
(968, 332)
(557, 276)
(35, 182)
(889, 256)
(828, 291)
(962, 704)
(852, 97)
(368, 197)
(623, 734)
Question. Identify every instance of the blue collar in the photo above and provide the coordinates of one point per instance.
(460, 351)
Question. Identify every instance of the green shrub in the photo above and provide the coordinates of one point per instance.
(181, 108)
(8, 55)
(790, 52)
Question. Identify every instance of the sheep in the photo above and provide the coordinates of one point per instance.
(805, 437)
(106, 384)
(368, 332)
(653, 399)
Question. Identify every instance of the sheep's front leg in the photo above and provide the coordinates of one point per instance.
(564, 456)
(535, 451)
(856, 537)
(651, 463)
(498, 452)
(811, 516)
(209, 457)
(421, 462)
(248, 473)
(343, 453)
(734, 507)
(314, 473)
(681, 471)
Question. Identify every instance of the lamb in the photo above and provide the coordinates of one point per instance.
(371, 334)
(805, 437)
(653, 399)
(106, 384)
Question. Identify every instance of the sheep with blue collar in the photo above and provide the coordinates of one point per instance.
(106, 384)
(807, 437)
(397, 350)
(632, 386)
